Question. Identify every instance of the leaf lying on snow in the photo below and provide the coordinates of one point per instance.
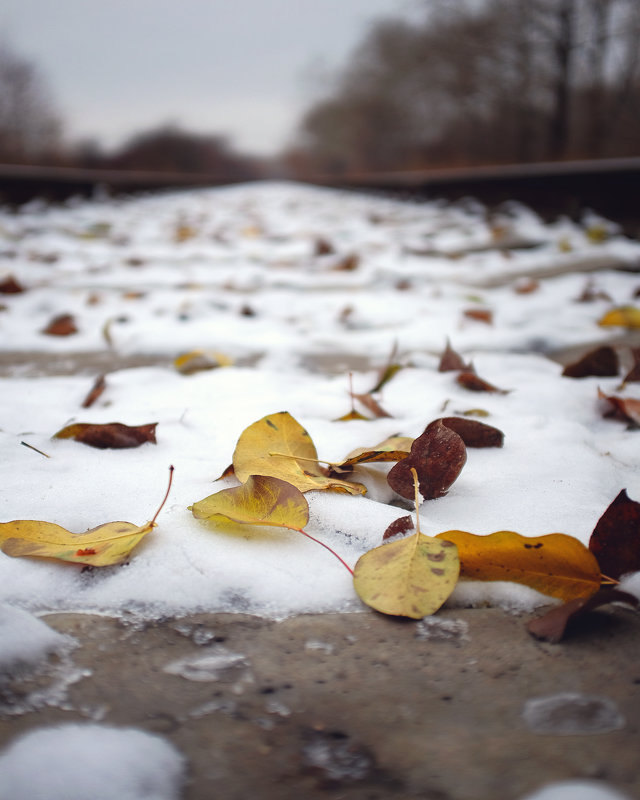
(450, 361)
(410, 577)
(103, 546)
(555, 564)
(472, 432)
(626, 409)
(633, 376)
(468, 379)
(395, 448)
(603, 361)
(200, 360)
(553, 625)
(437, 455)
(62, 325)
(260, 500)
(623, 316)
(95, 392)
(615, 541)
(278, 446)
(114, 435)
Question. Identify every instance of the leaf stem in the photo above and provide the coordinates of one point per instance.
(31, 447)
(164, 499)
(326, 547)
(303, 458)
(608, 581)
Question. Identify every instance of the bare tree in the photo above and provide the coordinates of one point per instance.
(29, 127)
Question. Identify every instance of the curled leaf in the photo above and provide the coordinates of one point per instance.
(450, 361)
(437, 455)
(395, 448)
(199, 360)
(552, 626)
(261, 500)
(469, 380)
(556, 564)
(94, 393)
(615, 540)
(602, 361)
(278, 446)
(626, 409)
(112, 435)
(410, 577)
(633, 376)
(399, 526)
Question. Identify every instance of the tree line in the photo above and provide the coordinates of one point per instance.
(500, 81)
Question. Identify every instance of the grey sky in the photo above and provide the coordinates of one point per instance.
(236, 67)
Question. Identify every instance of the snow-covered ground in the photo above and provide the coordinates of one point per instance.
(294, 284)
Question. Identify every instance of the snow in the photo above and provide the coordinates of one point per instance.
(576, 790)
(75, 762)
(235, 271)
(26, 640)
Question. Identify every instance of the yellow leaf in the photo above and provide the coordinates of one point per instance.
(103, 546)
(395, 448)
(260, 501)
(410, 577)
(199, 360)
(556, 564)
(278, 446)
(352, 415)
(623, 316)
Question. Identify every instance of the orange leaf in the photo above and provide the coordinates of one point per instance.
(556, 564)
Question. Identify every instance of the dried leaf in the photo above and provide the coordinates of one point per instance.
(479, 314)
(395, 448)
(526, 286)
(371, 405)
(62, 325)
(278, 446)
(323, 247)
(410, 577)
(199, 360)
(633, 376)
(602, 361)
(615, 540)
(260, 500)
(624, 408)
(347, 263)
(469, 380)
(623, 316)
(10, 285)
(552, 626)
(352, 415)
(398, 527)
(450, 361)
(438, 456)
(113, 435)
(96, 390)
(555, 564)
(390, 369)
(472, 432)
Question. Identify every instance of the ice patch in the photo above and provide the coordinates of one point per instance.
(218, 664)
(571, 714)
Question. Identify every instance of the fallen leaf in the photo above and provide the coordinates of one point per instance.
(323, 247)
(113, 435)
(556, 564)
(390, 369)
(278, 446)
(472, 432)
(623, 316)
(526, 286)
(10, 285)
(200, 360)
(96, 390)
(410, 577)
(183, 233)
(438, 456)
(260, 500)
(469, 380)
(590, 294)
(450, 361)
(347, 264)
(615, 540)
(552, 626)
(479, 314)
(62, 325)
(623, 408)
(372, 405)
(602, 361)
(103, 546)
(398, 527)
(395, 448)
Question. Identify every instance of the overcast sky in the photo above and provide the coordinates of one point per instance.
(238, 67)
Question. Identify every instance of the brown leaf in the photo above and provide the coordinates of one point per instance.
(615, 540)
(347, 264)
(97, 389)
(323, 247)
(469, 380)
(479, 314)
(371, 405)
(526, 286)
(602, 361)
(552, 626)
(472, 432)
(450, 361)
(624, 408)
(438, 456)
(62, 325)
(590, 294)
(113, 435)
(10, 285)
(398, 526)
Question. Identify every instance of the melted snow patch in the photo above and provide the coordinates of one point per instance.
(571, 713)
